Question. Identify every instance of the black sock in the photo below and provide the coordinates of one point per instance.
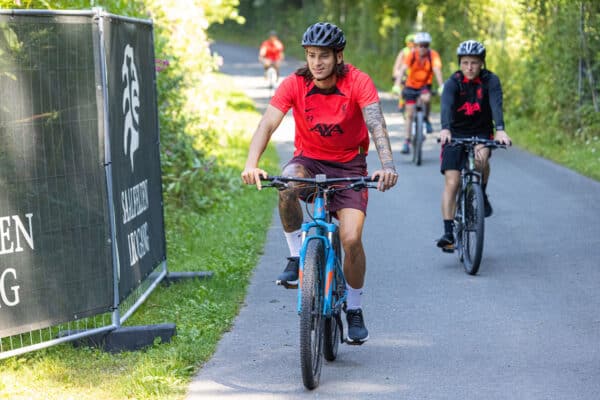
(448, 226)
(483, 186)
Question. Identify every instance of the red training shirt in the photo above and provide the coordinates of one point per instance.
(271, 49)
(329, 126)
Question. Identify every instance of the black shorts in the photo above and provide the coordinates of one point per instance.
(454, 157)
(343, 199)
(411, 94)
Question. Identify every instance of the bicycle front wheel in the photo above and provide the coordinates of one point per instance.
(332, 329)
(418, 138)
(311, 316)
(472, 234)
(272, 77)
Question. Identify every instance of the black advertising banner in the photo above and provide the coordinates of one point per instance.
(55, 258)
(134, 146)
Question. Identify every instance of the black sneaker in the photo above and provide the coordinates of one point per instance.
(446, 242)
(405, 148)
(357, 331)
(428, 126)
(289, 276)
(487, 207)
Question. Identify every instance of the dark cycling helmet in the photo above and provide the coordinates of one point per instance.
(324, 34)
(470, 48)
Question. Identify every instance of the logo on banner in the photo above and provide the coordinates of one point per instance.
(134, 200)
(131, 104)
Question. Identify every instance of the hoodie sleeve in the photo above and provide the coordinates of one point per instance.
(447, 102)
(495, 93)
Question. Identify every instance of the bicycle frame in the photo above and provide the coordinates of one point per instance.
(324, 231)
(467, 175)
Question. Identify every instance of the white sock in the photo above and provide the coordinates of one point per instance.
(354, 299)
(294, 241)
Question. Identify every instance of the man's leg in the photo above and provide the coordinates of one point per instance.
(355, 265)
(290, 213)
(482, 155)
(451, 183)
(351, 226)
(426, 98)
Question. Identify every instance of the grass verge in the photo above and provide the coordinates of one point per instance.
(582, 156)
(227, 241)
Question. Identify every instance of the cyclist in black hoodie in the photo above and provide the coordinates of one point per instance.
(471, 106)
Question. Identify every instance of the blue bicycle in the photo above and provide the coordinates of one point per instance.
(322, 292)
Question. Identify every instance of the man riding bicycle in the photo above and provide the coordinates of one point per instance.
(271, 53)
(471, 106)
(422, 63)
(335, 106)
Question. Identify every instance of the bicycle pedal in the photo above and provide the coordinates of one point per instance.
(287, 285)
(448, 249)
(354, 343)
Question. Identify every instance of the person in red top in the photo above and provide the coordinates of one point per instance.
(335, 106)
(421, 65)
(271, 52)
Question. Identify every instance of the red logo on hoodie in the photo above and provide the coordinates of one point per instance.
(470, 108)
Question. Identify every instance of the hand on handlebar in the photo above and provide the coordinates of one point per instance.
(386, 178)
(502, 137)
(445, 136)
(252, 176)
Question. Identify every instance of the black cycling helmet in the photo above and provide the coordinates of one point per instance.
(324, 34)
(470, 48)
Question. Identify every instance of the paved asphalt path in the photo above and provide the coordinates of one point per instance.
(526, 327)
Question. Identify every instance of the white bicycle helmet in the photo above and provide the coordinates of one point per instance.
(471, 48)
(422, 37)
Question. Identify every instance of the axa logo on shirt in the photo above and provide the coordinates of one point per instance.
(326, 130)
(131, 104)
(470, 108)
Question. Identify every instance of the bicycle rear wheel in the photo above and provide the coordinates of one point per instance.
(332, 329)
(311, 316)
(472, 234)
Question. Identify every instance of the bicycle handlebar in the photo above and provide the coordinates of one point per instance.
(493, 144)
(320, 180)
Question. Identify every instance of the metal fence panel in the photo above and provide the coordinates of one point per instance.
(55, 254)
(134, 150)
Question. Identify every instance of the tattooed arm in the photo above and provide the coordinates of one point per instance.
(376, 126)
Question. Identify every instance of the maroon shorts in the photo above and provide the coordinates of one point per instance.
(345, 198)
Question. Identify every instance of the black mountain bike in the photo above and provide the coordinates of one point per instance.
(469, 216)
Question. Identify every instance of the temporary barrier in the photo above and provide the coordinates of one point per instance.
(81, 216)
